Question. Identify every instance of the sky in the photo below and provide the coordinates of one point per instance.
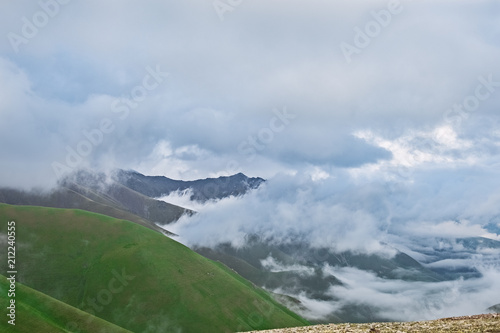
(374, 122)
(195, 89)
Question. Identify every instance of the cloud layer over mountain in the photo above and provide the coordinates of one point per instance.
(425, 216)
(345, 212)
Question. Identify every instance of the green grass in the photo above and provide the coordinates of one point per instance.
(79, 197)
(37, 312)
(75, 256)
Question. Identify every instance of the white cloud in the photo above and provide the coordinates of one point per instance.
(412, 301)
(273, 265)
(282, 210)
(449, 229)
(345, 212)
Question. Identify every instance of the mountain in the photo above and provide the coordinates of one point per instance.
(129, 195)
(286, 270)
(439, 254)
(298, 269)
(201, 190)
(156, 211)
(494, 308)
(95, 192)
(133, 277)
(37, 312)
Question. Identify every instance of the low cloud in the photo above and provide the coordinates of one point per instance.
(343, 212)
(412, 301)
(398, 300)
(272, 265)
(283, 210)
(428, 218)
(183, 199)
(449, 229)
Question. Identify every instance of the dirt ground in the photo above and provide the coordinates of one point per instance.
(487, 323)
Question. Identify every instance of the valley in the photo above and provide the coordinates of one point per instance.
(86, 250)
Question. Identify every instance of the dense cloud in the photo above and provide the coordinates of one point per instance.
(400, 300)
(426, 216)
(90, 61)
(404, 301)
(350, 212)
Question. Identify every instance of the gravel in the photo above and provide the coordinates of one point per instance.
(487, 323)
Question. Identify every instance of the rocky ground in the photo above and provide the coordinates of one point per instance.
(487, 323)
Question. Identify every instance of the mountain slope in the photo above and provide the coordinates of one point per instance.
(298, 269)
(94, 192)
(67, 198)
(37, 312)
(202, 189)
(134, 277)
(90, 184)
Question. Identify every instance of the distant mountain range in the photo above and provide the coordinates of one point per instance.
(129, 195)
(302, 272)
(201, 190)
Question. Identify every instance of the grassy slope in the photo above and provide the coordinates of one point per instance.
(79, 197)
(37, 312)
(74, 256)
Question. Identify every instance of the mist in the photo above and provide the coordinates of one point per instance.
(343, 213)
(415, 301)
(340, 211)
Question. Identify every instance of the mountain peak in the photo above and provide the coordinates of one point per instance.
(239, 175)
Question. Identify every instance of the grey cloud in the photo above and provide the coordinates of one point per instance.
(226, 77)
(337, 150)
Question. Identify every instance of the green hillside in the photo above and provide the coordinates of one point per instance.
(132, 276)
(37, 312)
(112, 199)
(69, 198)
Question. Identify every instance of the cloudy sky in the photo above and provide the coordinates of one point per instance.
(374, 121)
(192, 89)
